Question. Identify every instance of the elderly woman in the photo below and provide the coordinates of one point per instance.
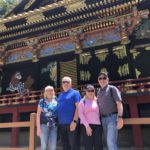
(90, 120)
(47, 119)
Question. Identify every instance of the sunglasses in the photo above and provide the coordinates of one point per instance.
(63, 82)
(90, 90)
(102, 78)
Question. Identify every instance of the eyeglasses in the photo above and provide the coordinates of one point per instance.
(90, 91)
(102, 78)
(63, 82)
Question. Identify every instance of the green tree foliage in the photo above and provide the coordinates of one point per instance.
(7, 5)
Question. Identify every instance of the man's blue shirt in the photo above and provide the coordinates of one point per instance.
(66, 106)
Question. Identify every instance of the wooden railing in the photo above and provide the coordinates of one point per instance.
(31, 124)
(17, 98)
(129, 86)
(136, 121)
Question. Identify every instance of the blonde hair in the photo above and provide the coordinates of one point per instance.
(47, 88)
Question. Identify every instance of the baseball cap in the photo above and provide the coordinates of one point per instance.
(103, 73)
(90, 87)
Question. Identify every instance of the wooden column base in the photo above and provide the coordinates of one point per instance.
(136, 129)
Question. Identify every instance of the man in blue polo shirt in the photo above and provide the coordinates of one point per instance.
(68, 102)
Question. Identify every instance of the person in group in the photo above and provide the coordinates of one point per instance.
(111, 110)
(47, 119)
(68, 101)
(90, 120)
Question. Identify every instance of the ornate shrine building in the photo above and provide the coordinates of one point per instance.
(43, 40)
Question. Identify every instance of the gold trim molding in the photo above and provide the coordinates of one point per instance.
(75, 6)
(29, 4)
(135, 53)
(35, 18)
(2, 27)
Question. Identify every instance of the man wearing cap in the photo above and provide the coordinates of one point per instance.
(68, 102)
(111, 110)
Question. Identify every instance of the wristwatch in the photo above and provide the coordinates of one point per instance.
(75, 121)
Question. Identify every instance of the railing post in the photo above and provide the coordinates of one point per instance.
(32, 131)
(137, 134)
(15, 131)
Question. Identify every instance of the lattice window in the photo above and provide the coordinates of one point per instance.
(69, 68)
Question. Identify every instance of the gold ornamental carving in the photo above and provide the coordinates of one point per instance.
(75, 6)
(84, 58)
(128, 24)
(137, 72)
(147, 48)
(120, 51)
(85, 75)
(2, 56)
(103, 70)
(33, 44)
(2, 27)
(35, 18)
(77, 37)
(135, 53)
(123, 70)
(102, 54)
(30, 2)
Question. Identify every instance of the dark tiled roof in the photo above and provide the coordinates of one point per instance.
(29, 5)
(59, 18)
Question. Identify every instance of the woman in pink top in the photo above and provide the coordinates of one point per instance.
(90, 120)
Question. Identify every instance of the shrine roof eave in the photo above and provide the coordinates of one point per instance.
(62, 15)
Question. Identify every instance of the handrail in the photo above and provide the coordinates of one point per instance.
(14, 148)
(15, 124)
(31, 124)
(136, 121)
(129, 86)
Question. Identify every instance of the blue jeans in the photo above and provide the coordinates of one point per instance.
(110, 130)
(48, 137)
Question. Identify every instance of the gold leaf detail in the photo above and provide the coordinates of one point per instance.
(35, 18)
(137, 72)
(135, 53)
(75, 6)
(123, 70)
(85, 75)
(120, 52)
(29, 4)
(2, 27)
(102, 54)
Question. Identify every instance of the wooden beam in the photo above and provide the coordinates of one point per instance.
(27, 108)
(15, 148)
(136, 121)
(15, 131)
(15, 124)
(32, 131)
(136, 129)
